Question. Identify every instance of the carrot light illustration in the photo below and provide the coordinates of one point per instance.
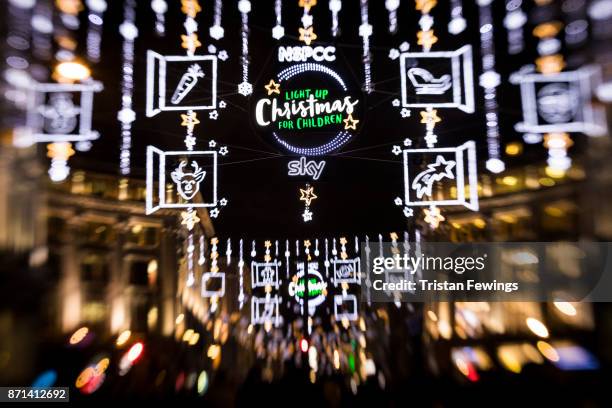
(187, 82)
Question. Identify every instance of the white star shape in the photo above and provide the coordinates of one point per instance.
(212, 144)
(223, 55)
(212, 49)
(396, 150)
(191, 26)
(278, 32)
(307, 215)
(214, 213)
(405, 112)
(223, 202)
(408, 212)
(398, 201)
(365, 30)
(216, 32)
(395, 102)
(306, 20)
(405, 46)
(407, 142)
(394, 53)
(222, 104)
(245, 88)
(213, 114)
(223, 150)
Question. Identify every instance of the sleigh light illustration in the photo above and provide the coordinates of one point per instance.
(453, 88)
(188, 177)
(60, 112)
(163, 96)
(426, 84)
(560, 102)
(454, 165)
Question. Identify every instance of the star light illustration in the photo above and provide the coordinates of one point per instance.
(433, 216)
(223, 202)
(213, 115)
(408, 212)
(405, 112)
(307, 35)
(430, 116)
(425, 6)
(307, 195)
(212, 144)
(394, 53)
(407, 142)
(307, 215)
(350, 122)
(189, 119)
(190, 7)
(223, 55)
(190, 42)
(397, 150)
(190, 219)
(550, 64)
(426, 39)
(223, 150)
(214, 213)
(307, 4)
(222, 104)
(272, 87)
(398, 201)
(424, 181)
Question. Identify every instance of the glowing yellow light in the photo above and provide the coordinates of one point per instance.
(79, 335)
(187, 335)
(546, 181)
(425, 6)
(60, 150)
(336, 360)
(86, 375)
(554, 211)
(179, 319)
(307, 35)
(272, 87)
(566, 308)
(549, 29)
(432, 315)
(426, 38)
(554, 173)
(479, 223)
(307, 4)
(102, 366)
(123, 337)
(510, 181)
(548, 351)
(558, 140)
(513, 149)
(537, 327)
(550, 64)
(194, 339)
(72, 7)
(72, 70)
(509, 360)
(213, 351)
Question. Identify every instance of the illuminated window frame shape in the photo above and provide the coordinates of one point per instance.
(356, 278)
(257, 267)
(462, 152)
(35, 122)
(587, 79)
(161, 181)
(341, 138)
(207, 276)
(397, 275)
(462, 75)
(163, 60)
(350, 316)
(260, 318)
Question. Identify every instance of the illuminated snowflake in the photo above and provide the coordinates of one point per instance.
(245, 88)
(223, 202)
(278, 32)
(307, 215)
(216, 32)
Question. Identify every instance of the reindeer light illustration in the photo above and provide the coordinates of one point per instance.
(188, 183)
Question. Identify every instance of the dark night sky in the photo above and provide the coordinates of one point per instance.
(360, 181)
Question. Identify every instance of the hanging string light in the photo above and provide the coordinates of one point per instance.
(392, 6)
(489, 81)
(126, 115)
(160, 7)
(335, 6)
(245, 87)
(216, 30)
(94, 29)
(514, 21)
(457, 23)
(278, 31)
(365, 32)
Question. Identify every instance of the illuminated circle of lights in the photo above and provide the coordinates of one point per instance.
(341, 137)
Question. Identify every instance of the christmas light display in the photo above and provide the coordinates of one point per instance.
(489, 81)
(457, 23)
(216, 31)
(160, 7)
(94, 31)
(514, 21)
(365, 32)
(126, 115)
(245, 88)
(278, 31)
(335, 6)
